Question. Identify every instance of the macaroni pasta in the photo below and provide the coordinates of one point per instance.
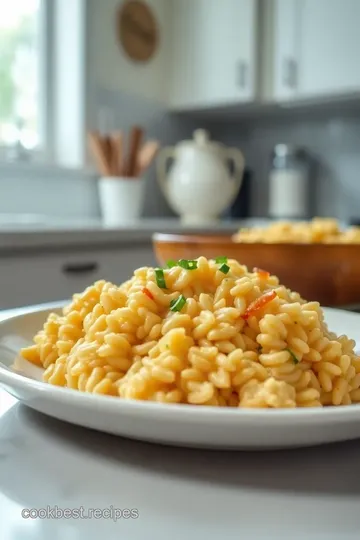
(206, 333)
(317, 231)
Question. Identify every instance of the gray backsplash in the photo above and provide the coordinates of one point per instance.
(49, 191)
(332, 139)
(333, 142)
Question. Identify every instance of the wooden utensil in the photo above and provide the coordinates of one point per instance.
(106, 143)
(146, 156)
(117, 158)
(99, 152)
(136, 135)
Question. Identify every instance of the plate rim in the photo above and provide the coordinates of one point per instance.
(175, 411)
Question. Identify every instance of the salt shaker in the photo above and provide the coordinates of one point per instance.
(288, 183)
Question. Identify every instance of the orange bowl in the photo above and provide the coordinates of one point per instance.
(328, 273)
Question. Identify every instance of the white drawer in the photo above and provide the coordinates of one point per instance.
(41, 278)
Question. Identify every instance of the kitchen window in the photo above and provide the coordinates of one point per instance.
(24, 52)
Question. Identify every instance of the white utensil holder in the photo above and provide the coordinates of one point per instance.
(121, 199)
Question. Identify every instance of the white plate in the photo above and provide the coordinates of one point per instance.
(180, 425)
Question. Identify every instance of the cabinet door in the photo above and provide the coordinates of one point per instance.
(214, 59)
(42, 278)
(285, 49)
(329, 46)
(183, 61)
(317, 48)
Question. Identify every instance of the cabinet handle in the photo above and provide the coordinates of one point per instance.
(290, 73)
(80, 268)
(242, 74)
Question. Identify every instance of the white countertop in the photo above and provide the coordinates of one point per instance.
(307, 494)
(20, 233)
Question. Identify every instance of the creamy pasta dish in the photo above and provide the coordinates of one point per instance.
(200, 332)
(318, 230)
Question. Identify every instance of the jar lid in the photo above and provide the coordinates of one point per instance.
(285, 150)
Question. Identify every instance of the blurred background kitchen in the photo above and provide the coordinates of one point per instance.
(278, 80)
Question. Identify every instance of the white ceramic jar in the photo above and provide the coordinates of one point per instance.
(288, 183)
(198, 185)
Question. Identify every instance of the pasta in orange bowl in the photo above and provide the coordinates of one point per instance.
(317, 231)
(200, 332)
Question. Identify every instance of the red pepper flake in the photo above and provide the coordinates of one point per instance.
(264, 274)
(259, 303)
(148, 293)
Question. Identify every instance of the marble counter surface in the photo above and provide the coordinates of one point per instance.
(50, 467)
(309, 494)
(179, 494)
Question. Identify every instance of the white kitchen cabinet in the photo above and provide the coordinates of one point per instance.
(33, 279)
(317, 48)
(214, 60)
(285, 52)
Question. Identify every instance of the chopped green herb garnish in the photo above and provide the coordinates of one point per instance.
(296, 360)
(188, 265)
(160, 278)
(221, 260)
(224, 268)
(178, 303)
(171, 264)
